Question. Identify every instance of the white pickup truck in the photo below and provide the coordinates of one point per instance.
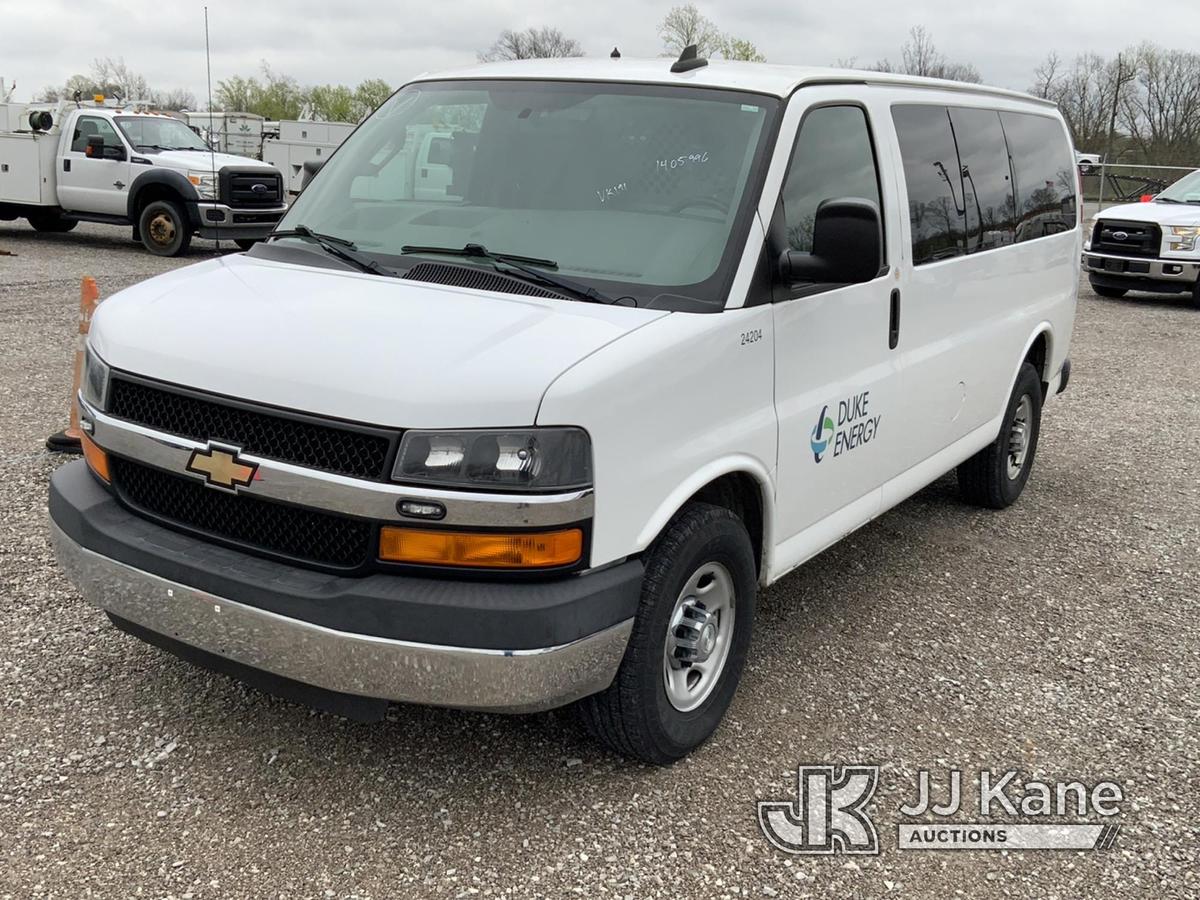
(64, 163)
(1148, 246)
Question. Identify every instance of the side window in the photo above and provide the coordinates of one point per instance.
(833, 158)
(986, 178)
(1044, 169)
(931, 171)
(86, 126)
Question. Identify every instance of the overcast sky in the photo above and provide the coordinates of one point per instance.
(320, 41)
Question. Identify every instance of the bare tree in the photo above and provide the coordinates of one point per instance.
(920, 56)
(532, 43)
(685, 25)
(1162, 115)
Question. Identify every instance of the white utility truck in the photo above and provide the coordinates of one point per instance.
(121, 164)
(238, 133)
(662, 332)
(298, 142)
(1149, 246)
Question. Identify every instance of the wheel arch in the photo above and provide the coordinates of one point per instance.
(159, 184)
(1038, 352)
(741, 484)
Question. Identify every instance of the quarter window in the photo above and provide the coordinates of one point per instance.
(935, 184)
(1045, 174)
(833, 159)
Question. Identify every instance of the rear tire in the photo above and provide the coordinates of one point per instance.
(995, 476)
(52, 223)
(1103, 290)
(697, 604)
(164, 228)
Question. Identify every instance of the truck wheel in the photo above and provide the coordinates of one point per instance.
(689, 640)
(995, 476)
(1106, 291)
(1196, 295)
(245, 243)
(52, 223)
(164, 228)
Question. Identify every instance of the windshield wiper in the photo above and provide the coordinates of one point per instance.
(1166, 200)
(335, 246)
(511, 264)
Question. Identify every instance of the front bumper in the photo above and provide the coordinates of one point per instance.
(524, 647)
(1123, 270)
(214, 221)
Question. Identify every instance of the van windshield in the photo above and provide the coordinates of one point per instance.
(633, 189)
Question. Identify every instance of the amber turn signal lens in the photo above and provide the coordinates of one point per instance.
(528, 550)
(97, 459)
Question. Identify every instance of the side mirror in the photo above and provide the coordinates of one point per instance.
(847, 245)
(95, 147)
(311, 168)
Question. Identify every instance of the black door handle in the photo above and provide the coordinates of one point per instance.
(894, 321)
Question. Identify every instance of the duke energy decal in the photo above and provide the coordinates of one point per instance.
(855, 426)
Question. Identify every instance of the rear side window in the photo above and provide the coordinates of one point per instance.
(931, 171)
(987, 188)
(833, 159)
(1045, 173)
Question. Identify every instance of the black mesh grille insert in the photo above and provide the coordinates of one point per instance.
(478, 279)
(1126, 238)
(299, 534)
(331, 448)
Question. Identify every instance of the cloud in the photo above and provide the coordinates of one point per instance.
(347, 41)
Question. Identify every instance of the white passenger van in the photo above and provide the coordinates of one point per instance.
(540, 436)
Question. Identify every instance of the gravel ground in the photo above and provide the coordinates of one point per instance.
(1058, 638)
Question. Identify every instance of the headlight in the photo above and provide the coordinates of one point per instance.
(1183, 237)
(530, 459)
(93, 383)
(205, 184)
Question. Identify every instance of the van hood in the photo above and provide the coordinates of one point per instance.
(202, 160)
(1158, 213)
(355, 346)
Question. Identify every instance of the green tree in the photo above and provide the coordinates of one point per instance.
(736, 48)
(369, 96)
(332, 103)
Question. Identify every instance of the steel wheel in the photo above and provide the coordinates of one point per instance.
(699, 635)
(1018, 437)
(162, 230)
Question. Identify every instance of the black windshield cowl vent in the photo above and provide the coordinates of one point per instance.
(689, 59)
(476, 279)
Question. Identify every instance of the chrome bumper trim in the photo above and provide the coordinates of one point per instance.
(513, 681)
(1189, 269)
(313, 488)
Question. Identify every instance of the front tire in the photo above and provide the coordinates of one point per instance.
(689, 642)
(995, 476)
(164, 228)
(1103, 290)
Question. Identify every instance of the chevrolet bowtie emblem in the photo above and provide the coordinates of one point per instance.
(221, 467)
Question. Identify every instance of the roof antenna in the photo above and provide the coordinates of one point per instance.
(689, 59)
(616, 54)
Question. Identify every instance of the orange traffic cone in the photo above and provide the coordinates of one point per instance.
(67, 440)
